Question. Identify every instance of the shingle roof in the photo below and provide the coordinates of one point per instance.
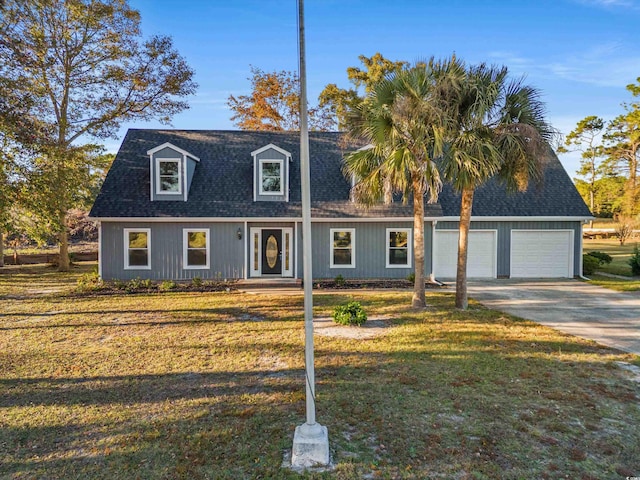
(223, 182)
(555, 196)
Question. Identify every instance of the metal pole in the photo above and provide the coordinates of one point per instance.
(311, 440)
(305, 178)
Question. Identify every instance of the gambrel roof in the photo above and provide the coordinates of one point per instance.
(222, 184)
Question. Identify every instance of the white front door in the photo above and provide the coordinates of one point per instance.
(271, 252)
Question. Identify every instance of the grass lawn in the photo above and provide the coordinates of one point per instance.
(204, 386)
(620, 254)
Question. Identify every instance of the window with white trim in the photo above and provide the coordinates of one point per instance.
(137, 248)
(168, 176)
(398, 249)
(271, 176)
(196, 248)
(343, 248)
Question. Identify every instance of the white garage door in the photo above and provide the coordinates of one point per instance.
(541, 253)
(481, 257)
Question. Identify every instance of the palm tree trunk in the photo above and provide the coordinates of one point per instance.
(463, 245)
(1, 249)
(419, 298)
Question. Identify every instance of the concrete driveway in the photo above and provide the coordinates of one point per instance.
(574, 307)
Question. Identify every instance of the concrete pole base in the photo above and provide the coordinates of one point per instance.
(310, 446)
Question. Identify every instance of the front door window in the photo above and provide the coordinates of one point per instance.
(271, 252)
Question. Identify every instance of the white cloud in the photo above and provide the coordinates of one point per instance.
(605, 65)
(611, 3)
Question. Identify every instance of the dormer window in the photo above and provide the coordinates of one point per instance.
(271, 165)
(169, 178)
(172, 170)
(271, 181)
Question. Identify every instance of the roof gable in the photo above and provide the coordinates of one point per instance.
(172, 147)
(271, 146)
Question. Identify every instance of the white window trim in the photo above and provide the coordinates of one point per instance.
(185, 249)
(352, 231)
(126, 248)
(282, 177)
(409, 248)
(180, 175)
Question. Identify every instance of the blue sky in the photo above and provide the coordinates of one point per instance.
(580, 53)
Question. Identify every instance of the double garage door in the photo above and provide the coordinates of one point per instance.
(534, 254)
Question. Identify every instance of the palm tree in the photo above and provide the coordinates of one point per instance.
(402, 119)
(499, 130)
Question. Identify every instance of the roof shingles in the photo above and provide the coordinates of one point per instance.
(222, 186)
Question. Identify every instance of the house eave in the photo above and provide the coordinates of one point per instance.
(519, 218)
(339, 219)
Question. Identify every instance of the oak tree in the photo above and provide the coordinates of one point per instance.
(81, 68)
(273, 104)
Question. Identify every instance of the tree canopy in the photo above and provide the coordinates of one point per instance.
(273, 104)
(71, 70)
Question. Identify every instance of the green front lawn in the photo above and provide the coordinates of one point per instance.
(198, 386)
(620, 254)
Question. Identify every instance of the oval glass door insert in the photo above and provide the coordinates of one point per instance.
(272, 251)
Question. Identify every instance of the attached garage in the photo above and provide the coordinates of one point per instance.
(542, 253)
(481, 257)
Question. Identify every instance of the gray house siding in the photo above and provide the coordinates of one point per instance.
(370, 250)
(166, 251)
(271, 154)
(504, 238)
(191, 168)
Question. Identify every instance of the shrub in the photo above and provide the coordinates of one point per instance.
(589, 264)
(634, 261)
(412, 277)
(602, 257)
(624, 229)
(339, 281)
(167, 285)
(196, 282)
(89, 282)
(350, 314)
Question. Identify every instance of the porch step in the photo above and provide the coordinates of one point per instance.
(269, 283)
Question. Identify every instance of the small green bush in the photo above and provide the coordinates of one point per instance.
(634, 261)
(167, 285)
(339, 281)
(350, 314)
(412, 277)
(589, 264)
(89, 282)
(602, 257)
(135, 284)
(196, 282)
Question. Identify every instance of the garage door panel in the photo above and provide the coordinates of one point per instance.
(541, 254)
(481, 257)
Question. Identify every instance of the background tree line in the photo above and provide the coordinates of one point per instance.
(608, 174)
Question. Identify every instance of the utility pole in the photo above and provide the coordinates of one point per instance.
(311, 440)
